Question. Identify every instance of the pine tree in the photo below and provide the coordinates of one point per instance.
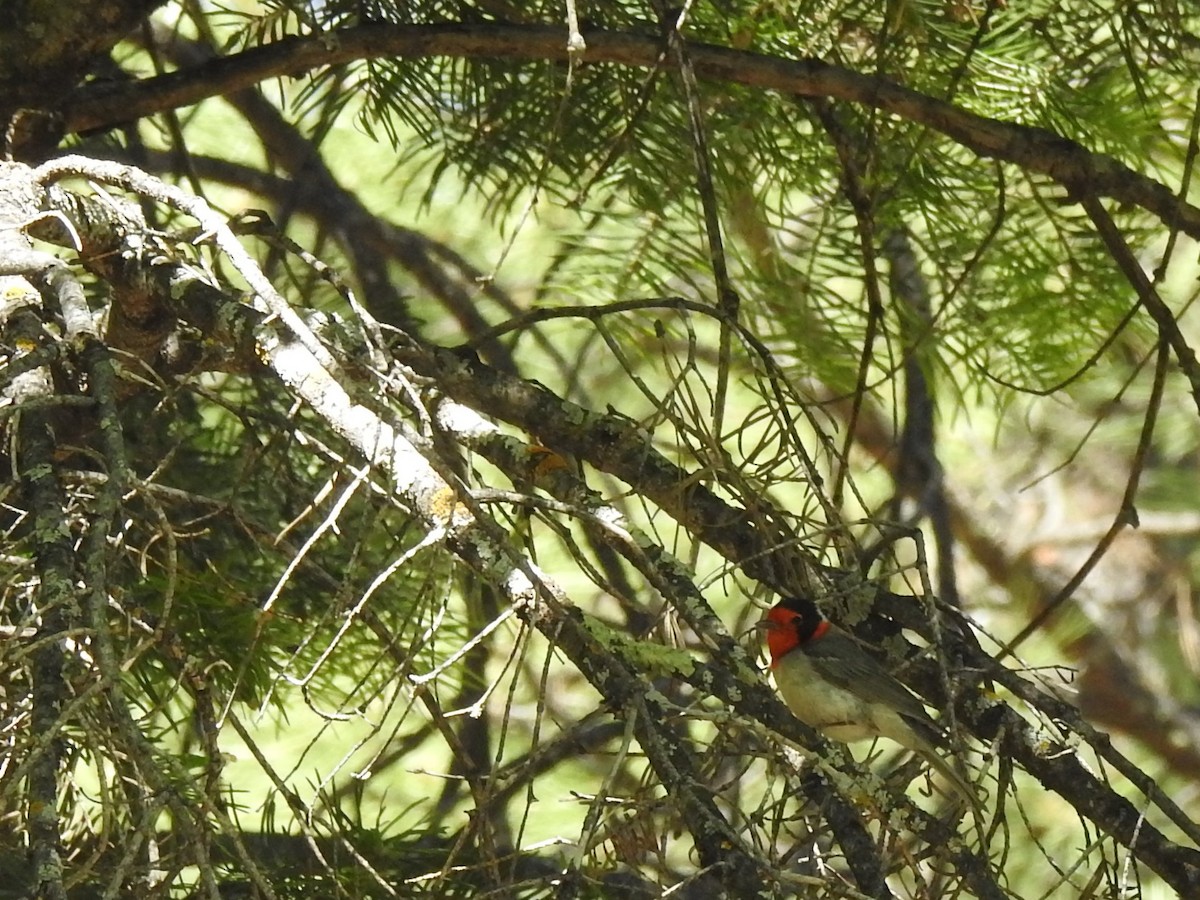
(411, 408)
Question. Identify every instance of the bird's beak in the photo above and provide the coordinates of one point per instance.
(758, 629)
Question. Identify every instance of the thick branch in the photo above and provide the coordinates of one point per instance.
(98, 106)
(33, 463)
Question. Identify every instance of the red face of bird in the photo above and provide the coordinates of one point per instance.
(789, 624)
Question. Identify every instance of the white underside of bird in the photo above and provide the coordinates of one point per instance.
(835, 712)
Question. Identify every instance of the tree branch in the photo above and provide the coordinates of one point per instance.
(98, 106)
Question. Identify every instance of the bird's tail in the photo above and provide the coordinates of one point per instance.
(961, 786)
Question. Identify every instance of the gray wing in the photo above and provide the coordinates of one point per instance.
(839, 660)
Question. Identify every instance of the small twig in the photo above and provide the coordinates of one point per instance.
(1126, 513)
(1168, 327)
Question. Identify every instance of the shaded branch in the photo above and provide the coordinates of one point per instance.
(98, 106)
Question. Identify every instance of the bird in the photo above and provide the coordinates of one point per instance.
(831, 684)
